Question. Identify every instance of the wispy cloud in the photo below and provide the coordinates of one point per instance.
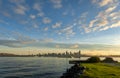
(57, 25)
(110, 9)
(68, 31)
(20, 6)
(46, 20)
(11, 43)
(104, 19)
(105, 2)
(32, 16)
(35, 25)
(46, 29)
(57, 3)
(17, 1)
(5, 13)
(40, 14)
(20, 9)
(4, 22)
(37, 6)
(47, 40)
(102, 3)
(75, 46)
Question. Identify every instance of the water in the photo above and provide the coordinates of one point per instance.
(33, 67)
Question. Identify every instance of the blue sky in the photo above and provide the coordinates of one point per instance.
(55, 24)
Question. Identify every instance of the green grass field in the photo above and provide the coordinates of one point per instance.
(101, 70)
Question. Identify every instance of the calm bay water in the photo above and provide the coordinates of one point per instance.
(33, 67)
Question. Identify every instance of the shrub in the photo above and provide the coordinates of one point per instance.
(93, 59)
(109, 60)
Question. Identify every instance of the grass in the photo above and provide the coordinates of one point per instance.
(100, 70)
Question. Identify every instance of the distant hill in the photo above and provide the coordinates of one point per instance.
(6, 54)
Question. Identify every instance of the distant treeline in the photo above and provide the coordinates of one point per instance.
(14, 55)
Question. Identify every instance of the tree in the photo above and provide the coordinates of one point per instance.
(93, 59)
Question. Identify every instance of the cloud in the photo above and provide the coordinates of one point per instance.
(47, 40)
(11, 43)
(68, 31)
(104, 28)
(86, 29)
(104, 18)
(102, 3)
(117, 24)
(32, 16)
(102, 22)
(115, 15)
(105, 2)
(92, 23)
(57, 46)
(35, 26)
(46, 29)
(16, 43)
(41, 14)
(65, 13)
(6, 14)
(57, 25)
(110, 9)
(37, 6)
(46, 20)
(22, 38)
(4, 22)
(57, 3)
(17, 1)
(20, 9)
(74, 46)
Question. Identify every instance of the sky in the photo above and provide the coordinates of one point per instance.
(39, 26)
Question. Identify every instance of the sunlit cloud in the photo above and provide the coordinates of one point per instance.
(105, 2)
(102, 3)
(57, 46)
(74, 46)
(103, 20)
(110, 9)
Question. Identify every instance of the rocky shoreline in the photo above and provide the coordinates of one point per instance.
(74, 72)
